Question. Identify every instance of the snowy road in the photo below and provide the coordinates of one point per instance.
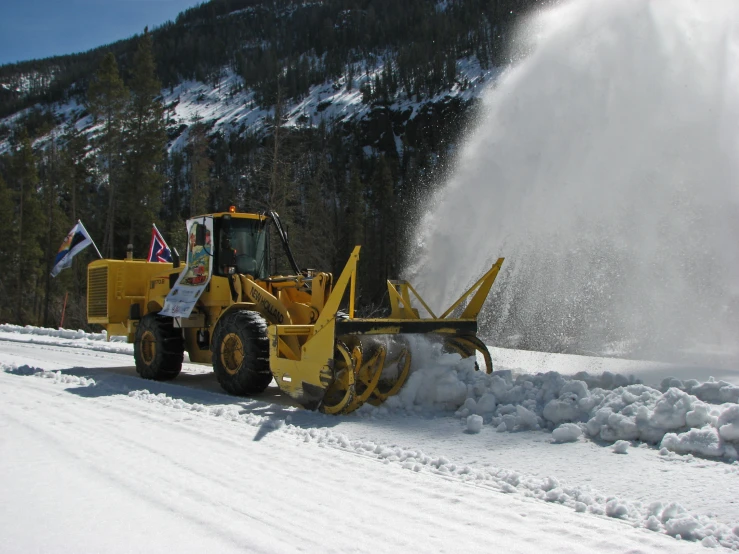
(96, 459)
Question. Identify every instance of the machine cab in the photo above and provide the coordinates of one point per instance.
(242, 245)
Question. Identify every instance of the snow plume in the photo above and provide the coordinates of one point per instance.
(604, 170)
(603, 407)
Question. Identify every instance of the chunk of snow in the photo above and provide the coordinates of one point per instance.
(621, 447)
(474, 423)
(567, 432)
(704, 441)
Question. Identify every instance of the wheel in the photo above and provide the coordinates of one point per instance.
(158, 348)
(241, 353)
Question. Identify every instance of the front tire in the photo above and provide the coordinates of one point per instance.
(158, 348)
(241, 353)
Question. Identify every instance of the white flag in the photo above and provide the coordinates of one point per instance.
(77, 240)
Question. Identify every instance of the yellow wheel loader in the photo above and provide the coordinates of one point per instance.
(225, 308)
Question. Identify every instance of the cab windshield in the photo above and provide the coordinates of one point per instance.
(243, 246)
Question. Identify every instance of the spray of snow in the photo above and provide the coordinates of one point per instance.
(604, 170)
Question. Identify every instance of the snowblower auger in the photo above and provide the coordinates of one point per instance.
(361, 366)
(225, 308)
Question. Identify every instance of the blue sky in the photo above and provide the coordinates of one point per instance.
(42, 28)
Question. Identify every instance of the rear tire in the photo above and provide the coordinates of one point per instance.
(158, 348)
(241, 353)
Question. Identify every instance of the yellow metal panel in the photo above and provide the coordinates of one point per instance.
(314, 367)
(328, 314)
(296, 330)
(121, 283)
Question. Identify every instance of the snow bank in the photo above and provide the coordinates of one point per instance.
(59, 333)
(66, 337)
(712, 391)
(681, 417)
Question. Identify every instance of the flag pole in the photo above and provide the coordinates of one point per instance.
(64, 309)
(92, 241)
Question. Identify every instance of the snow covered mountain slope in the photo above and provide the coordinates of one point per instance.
(227, 107)
(92, 458)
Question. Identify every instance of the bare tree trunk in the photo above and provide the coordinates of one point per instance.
(273, 185)
(19, 281)
(110, 228)
(49, 229)
(111, 212)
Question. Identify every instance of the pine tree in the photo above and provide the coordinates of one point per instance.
(314, 243)
(145, 141)
(355, 211)
(79, 200)
(385, 190)
(57, 223)
(76, 175)
(24, 180)
(281, 190)
(277, 198)
(107, 98)
(8, 252)
(198, 166)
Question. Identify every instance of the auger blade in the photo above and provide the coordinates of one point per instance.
(466, 346)
(341, 392)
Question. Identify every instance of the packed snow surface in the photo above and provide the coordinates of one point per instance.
(588, 461)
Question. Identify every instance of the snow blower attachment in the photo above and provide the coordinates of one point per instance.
(225, 308)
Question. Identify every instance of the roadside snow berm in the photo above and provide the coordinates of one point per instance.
(225, 308)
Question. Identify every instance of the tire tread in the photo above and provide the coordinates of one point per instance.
(254, 376)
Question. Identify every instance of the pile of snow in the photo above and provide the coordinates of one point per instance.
(605, 407)
(621, 447)
(66, 337)
(712, 391)
(686, 417)
(567, 432)
(56, 377)
(59, 333)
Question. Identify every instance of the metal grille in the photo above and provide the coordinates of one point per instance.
(97, 292)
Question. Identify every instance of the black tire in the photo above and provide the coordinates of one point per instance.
(241, 353)
(158, 348)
